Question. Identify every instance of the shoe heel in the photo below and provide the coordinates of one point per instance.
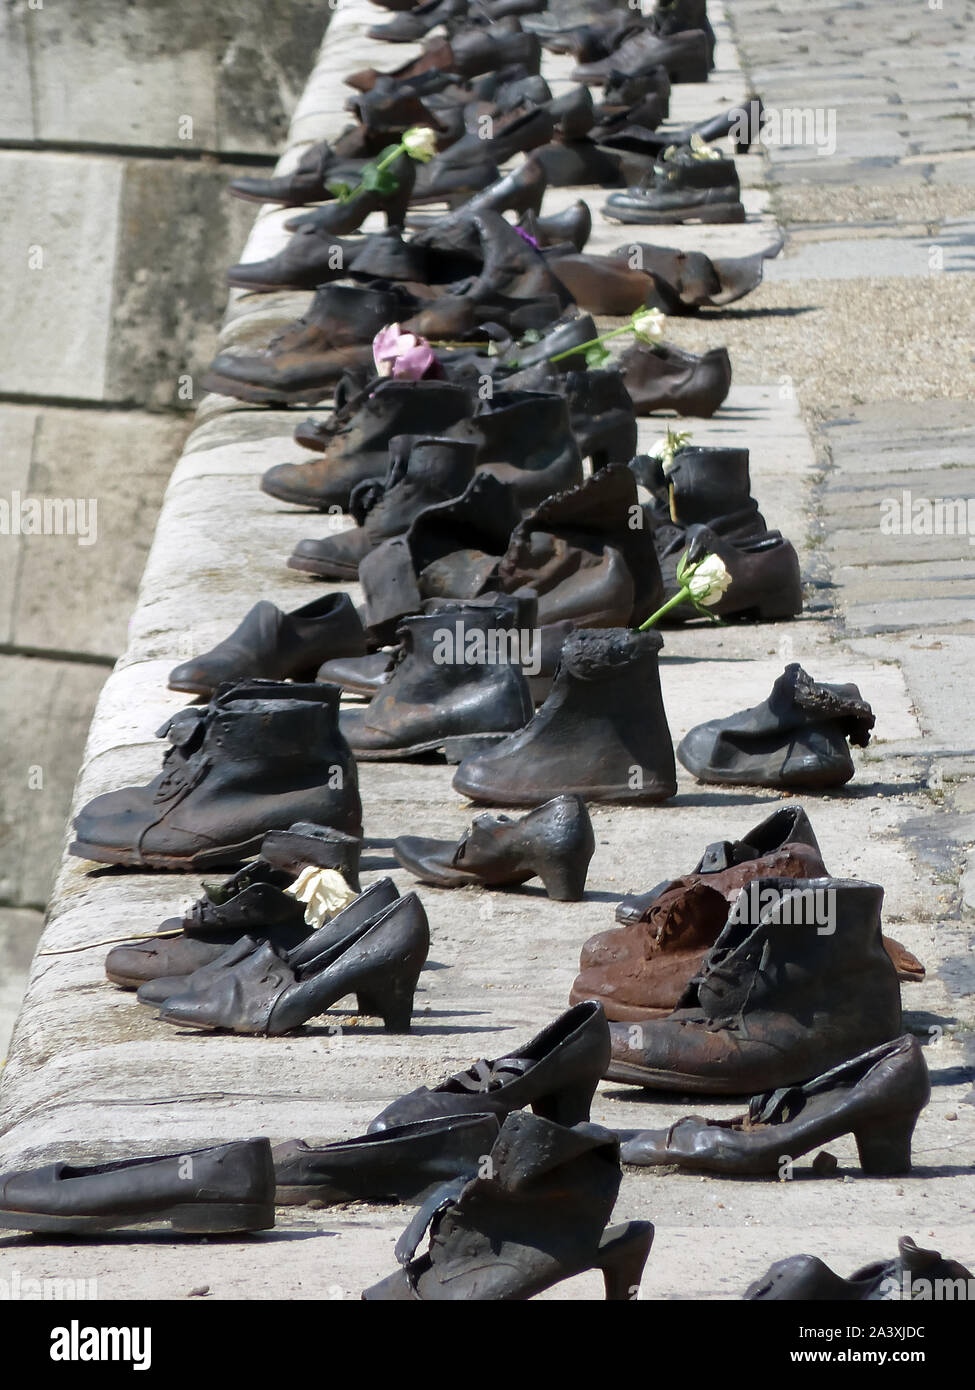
(394, 1005)
(565, 882)
(211, 1218)
(886, 1152)
(567, 1107)
(616, 445)
(621, 1257)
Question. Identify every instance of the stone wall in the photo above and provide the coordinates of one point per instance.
(120, 126)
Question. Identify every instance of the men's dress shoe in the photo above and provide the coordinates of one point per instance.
(303, 362)
(602, 732)
(359, 675)
(274, 645)
(554, 843)
(450, 690)
(253, 902)
(915, 1274)
(539, 1215)
(685, 56)
(202, 1192)
(358, 449)
(422, 472)
(471, 163)
(681, 188)
(797, 980)
(877, 1097)
(305, 184)
(379, 963)
(468, 54)
(556, 1074)
(560, 551)
(698, 280)
(797, 738)
(403, 1164)
(159, 986)
(316, 254)
(579, 164)
(766, 585)
(667, 378)
(259, 757)
(411, 26)
(604, 285)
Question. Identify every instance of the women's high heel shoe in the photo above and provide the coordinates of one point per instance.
(877, 1097)
(556, 1074)
(554, 842)
(536, 1217)
(379, 962)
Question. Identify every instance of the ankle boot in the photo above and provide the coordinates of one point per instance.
(704, 482)
(600, 410)
(877, 1097)
(525, 440)
(273, 645)
(766, 585)
(421, 473)
(666, 378)
(682, 188)
(404, 1164)
(797, 982)
(556, 1073)
(454, 688)
(359, 448)
(553, 549)
(602, 732)
(379, 963)
(538, 1218)
(260, 756)
(914, 1274)
(451, 550)
(511, 267)
(303, 362)
(555, 842)
(797, 738)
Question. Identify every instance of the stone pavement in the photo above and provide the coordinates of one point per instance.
(92, 1072)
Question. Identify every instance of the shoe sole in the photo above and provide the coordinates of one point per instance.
(656, 1080)
(455, 750)
(266, 287)
(299, 499)
(718, 212)
(610, 796)
(324, 570)
(205, 1218)
(264, 395)
(217, 857)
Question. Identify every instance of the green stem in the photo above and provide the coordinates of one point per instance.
(391, 158)
(674, 602)
(593, 342)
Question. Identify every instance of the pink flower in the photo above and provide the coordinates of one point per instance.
(404, 356)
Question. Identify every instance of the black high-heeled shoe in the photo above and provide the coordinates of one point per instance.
(537, 1216)
(379, 962)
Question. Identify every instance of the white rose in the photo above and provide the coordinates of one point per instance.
(648, 324)
(324, 891)
(420, 142)
(708, 581)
